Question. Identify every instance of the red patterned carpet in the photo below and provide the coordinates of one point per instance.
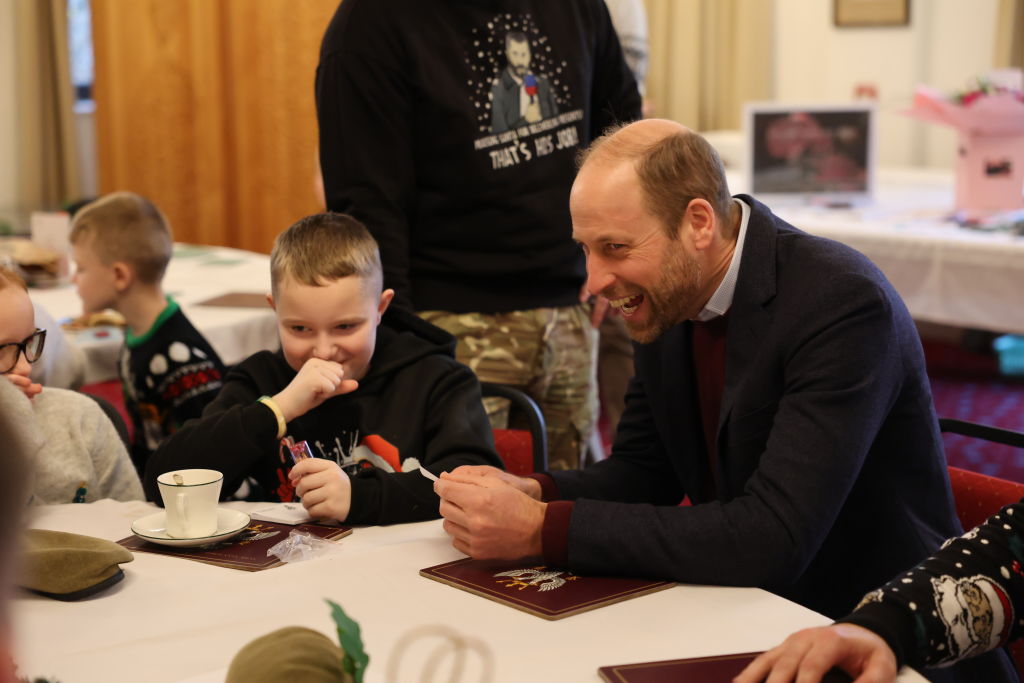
(967, 386)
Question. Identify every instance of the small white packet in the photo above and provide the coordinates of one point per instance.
(282, 513)
(429, 475)
(300, 546)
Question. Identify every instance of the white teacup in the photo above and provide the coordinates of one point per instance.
(190, 498)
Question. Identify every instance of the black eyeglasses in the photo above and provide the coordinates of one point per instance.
(31, 346)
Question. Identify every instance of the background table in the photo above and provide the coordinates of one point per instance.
(945, 273)
(173, 619)
(195, 274)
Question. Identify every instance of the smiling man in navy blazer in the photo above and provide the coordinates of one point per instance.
(780, 385)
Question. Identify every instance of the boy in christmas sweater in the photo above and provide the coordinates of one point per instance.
(121, 245)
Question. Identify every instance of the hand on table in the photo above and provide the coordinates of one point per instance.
(315, 382)
(26, 385)
(489, 518)
(325, 489)
(807, 655)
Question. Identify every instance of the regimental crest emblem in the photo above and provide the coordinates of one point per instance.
(252, 533)
(542, 578)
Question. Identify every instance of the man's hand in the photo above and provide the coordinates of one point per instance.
(530, 487)
(316, 381)
(27, 386)
(533, 112)
(808, 655)
(325, 489)
(489, 519)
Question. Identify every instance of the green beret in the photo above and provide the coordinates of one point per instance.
(292, 653)
(69, 566)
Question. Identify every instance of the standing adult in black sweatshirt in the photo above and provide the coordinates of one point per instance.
(468, 203)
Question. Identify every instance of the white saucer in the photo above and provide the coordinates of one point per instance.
(154, 528)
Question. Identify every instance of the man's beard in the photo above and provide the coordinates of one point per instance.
(672, 298)
(520, 70)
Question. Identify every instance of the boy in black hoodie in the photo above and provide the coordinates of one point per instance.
(373, 405)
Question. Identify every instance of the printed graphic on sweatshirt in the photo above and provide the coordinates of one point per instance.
(520, 91)
(976, 612)
(352, 455)
(170, 380)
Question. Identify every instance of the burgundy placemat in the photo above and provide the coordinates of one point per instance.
(542, 591)
(247, 551)
(718, 669)
(238, 300)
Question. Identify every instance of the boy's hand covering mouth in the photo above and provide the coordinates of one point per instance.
(315, 382)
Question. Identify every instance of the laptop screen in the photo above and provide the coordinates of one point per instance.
(815, 153)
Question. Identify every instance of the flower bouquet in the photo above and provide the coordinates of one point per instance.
(990, 160)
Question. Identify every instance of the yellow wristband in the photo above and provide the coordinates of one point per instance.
(272, 404)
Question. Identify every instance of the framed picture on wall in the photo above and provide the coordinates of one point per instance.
(811, 153)
(871, 12)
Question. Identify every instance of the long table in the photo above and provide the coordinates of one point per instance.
(177, 620)
(194, 275)
(945, 273)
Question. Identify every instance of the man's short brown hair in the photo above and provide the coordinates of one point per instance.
(325, 247)
(9, 277)
(673, 171)
(123, 226)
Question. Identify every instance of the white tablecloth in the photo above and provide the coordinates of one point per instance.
(944, 273)
(173, 619)
(195, 274)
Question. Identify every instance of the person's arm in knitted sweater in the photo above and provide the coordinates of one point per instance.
(958, 603)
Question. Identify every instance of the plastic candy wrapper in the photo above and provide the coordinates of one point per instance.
(295, 451)
(300, 546)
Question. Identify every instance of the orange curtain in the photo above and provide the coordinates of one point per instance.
(708, 57)
(206, 107)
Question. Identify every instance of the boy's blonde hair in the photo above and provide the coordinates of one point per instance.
(324, 247)
(10, 278)
(123, 226)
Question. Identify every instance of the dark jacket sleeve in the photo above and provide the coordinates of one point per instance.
(364, 109)
(804, 449)
(964, 600)
(456, 432)
(233, 435)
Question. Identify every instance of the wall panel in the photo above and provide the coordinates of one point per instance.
(273, 119)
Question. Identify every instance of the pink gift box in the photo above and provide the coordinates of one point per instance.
(989, 173)
(990, 163)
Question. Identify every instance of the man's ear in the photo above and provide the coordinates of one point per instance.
(385, 300)
(270, 300)
(700, 216)
(124, 276)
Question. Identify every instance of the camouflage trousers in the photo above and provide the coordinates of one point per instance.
(550, 353)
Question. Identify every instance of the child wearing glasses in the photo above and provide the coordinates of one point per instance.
(121, 245)
(78, 455)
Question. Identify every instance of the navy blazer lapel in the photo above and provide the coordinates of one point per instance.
(748, 316)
